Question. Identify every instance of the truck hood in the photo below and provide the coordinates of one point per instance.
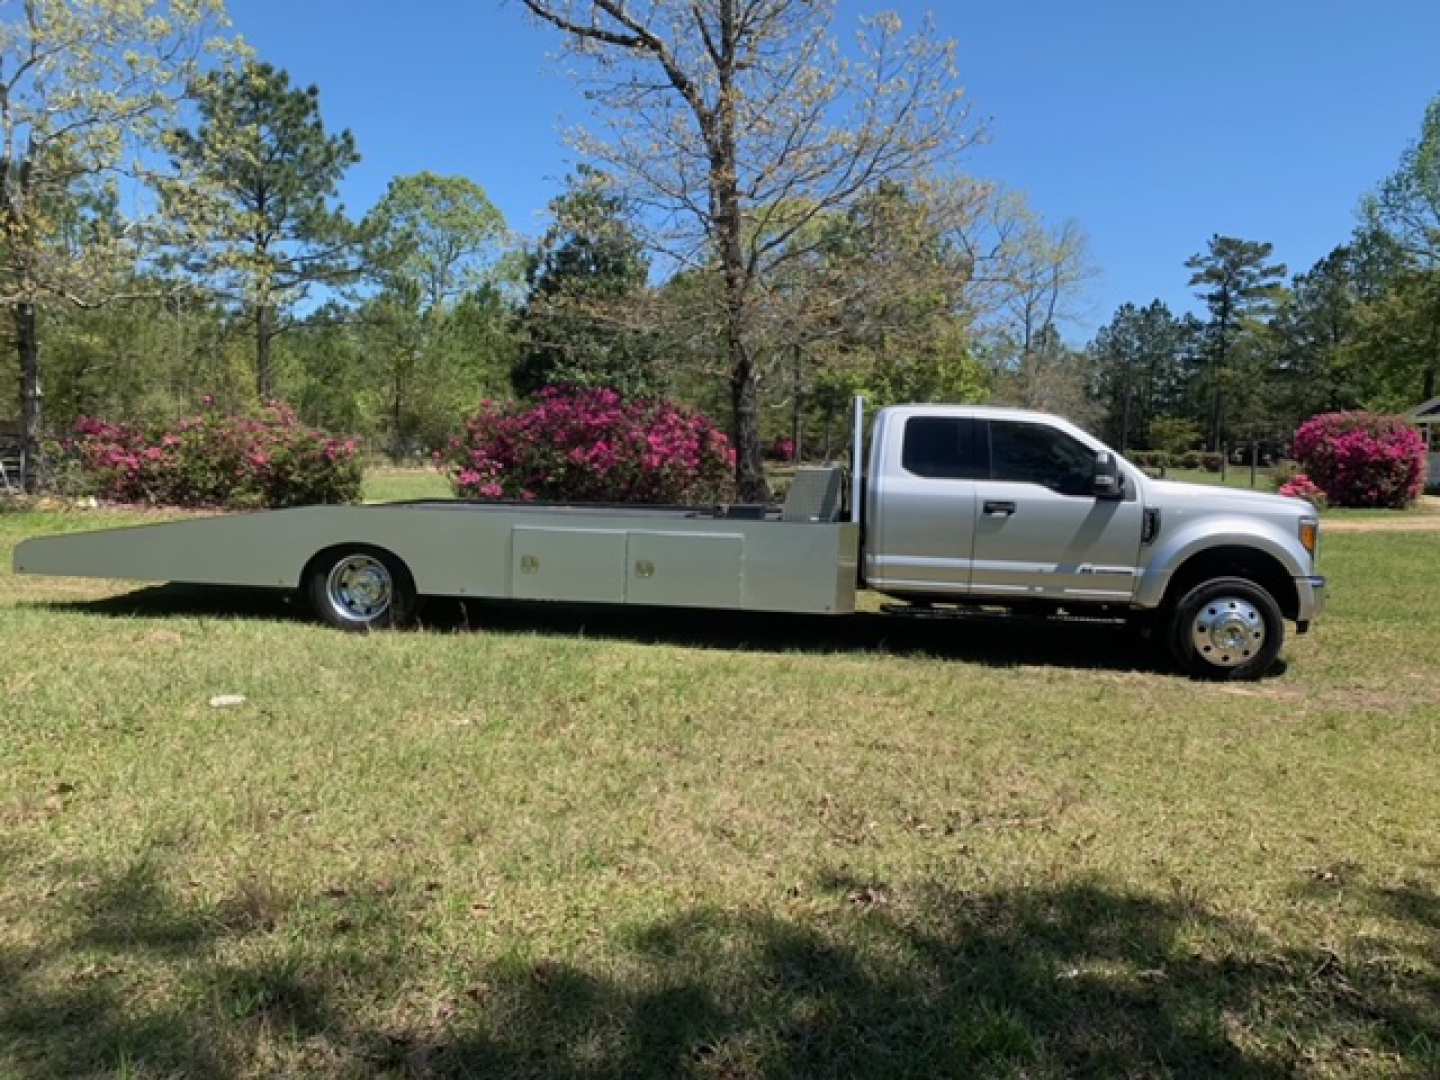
(1180, 495)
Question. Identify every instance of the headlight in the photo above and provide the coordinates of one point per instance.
(1310, 535)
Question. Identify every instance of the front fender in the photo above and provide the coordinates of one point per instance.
(1175, 546)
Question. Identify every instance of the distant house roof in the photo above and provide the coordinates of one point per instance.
(1429, 413)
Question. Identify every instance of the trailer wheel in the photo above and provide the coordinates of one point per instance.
(1227, 628)
(360, 589)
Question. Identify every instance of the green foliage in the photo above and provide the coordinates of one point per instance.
(1241, 288)
(344, 365)
(441, 233)
(1284, 472)
(1391, 348)
(1174, 435)
(435, 251)
(1142, 372)
(1315, 330)
(1158, 460)
(1397, 341)
(86, 87)
(150, 361)
(264, 225)
(585, 283)
(1363, 326)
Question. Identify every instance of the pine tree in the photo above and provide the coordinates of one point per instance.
(273, 231)
(1241, 289)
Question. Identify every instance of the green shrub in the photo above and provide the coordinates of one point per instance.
(1284, 471)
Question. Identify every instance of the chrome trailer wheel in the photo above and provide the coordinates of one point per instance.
(360, 590)
(359, 587)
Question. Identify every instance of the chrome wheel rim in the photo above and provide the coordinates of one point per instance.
(1228, 631)
(359, 588)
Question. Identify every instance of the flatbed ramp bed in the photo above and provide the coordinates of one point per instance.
(747, 559)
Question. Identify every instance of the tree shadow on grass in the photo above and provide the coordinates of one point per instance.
(992, 640)
(865, 980)
(87, 1001)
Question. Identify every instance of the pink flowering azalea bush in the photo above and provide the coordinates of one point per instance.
(1362, 459)
(578, 445)
(214, 460)
(782, 449)
(1301, 486)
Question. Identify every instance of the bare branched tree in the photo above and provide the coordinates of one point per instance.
(735, 123)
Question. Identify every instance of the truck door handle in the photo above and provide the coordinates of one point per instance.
(999, 509)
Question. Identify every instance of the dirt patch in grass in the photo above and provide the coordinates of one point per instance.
(1417, 523)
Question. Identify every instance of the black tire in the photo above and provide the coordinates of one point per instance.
(1226, 628)
(381, 592)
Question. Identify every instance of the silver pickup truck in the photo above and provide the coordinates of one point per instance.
(951, 507)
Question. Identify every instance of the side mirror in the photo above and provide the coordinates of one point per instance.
(1108, 481)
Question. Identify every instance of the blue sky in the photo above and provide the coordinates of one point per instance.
(1153, 124)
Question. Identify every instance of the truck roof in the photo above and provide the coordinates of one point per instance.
(993, 412)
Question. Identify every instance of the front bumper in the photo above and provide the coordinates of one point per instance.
(1311, 592)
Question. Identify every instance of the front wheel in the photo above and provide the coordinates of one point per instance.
(1227, 628)
(361, 589)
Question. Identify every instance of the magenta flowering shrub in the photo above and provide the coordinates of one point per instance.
(1362, 459)
(590, 446)
(1301, 486)
(213, 460)
(781, 449)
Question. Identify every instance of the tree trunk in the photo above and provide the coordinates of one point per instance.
(744, 378)
(745, 411)
(797, 406)
(720, 138)
(1125, 412)
(397, 411)
(1222, 359)
(1217, 415)
(264, 368)
(27, 343)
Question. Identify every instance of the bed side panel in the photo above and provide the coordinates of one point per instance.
(685, 569)
(586, 565)
(783, 567)
(455, 554)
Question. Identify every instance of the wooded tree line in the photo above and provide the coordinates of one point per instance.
(766, 224)
(1359, 329)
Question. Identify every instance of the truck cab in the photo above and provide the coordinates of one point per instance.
(1008, 507)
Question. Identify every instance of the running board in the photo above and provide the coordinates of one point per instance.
(960, 612)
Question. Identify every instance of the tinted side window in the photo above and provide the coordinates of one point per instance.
(942, 448)
(1036, 454)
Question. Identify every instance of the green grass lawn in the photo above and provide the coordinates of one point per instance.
(1237, 476)
(558, 842)
(388, 484)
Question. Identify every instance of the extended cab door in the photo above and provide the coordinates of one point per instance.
(923, 517)
(1039, 529)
